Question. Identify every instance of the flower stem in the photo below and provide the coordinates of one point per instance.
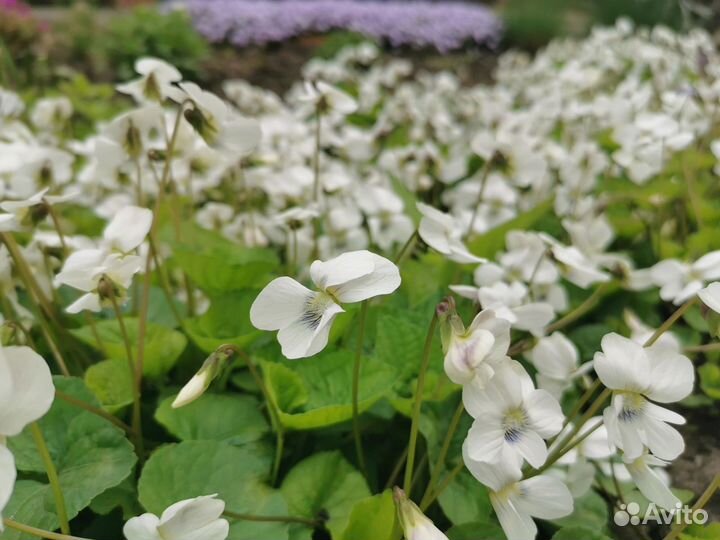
(440, 462)
(356, 389)
(407, 248)
(272, 519)
(39, 533)
(132, 367)
(701, 502)
(671, 320)
(52, 477)
(58, 227)
(271, 406)
(589, 303)
(419, 390)
(443, 485)
(483, 183)
(94, 410)
(316, 182)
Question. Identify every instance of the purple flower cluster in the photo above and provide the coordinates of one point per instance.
(446, 26)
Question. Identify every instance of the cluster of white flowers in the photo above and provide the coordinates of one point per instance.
(329, 172)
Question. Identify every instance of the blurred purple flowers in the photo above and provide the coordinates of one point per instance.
(446, 25)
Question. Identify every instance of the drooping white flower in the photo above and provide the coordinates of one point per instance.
(643, 471)
(679, 281)
(128, 229)
(304, 317)
(20, 209)
(639, 375)
(511, 419)
(155, 82)
(517, 501)
(415, 524)
(556, 359)
(192, 519)
(441, 232)
(472, 353)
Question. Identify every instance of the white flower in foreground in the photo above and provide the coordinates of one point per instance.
(710, 296)
(649, 482)
(472, 353)
(26, 394)
(7, 478)
(441, 232)
(192, 519)
(517, 501)
(326, 97)
(556, 359)
(637, 375)
(155, 83)
(26, 389)
(679, 281)
(415, 524)
(304, 317)
(511, 419)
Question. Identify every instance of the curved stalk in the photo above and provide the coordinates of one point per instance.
(52, 477)
(39, 533)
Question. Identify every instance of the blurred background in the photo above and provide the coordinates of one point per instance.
(45, 43)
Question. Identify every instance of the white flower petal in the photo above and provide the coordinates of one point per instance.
(671, 377)
(33, 390)
(710, 296)
(143, 527)
(623, 363)
(516, 524)
(342, 269)
(531, 447)
(545, 497)
(384, 279)
(279, 304)
(184, 517)
(650, 484)
(7, 477)
(128, 228)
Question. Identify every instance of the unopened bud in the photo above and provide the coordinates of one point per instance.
(200, 382)
(415, 524)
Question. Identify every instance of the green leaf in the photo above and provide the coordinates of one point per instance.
(700, 532)
(91, 454)
(236, 473)
(490, 243)
(111, 382)
(320, 390)
(590, 511)
(324, 483)
(218, 265)
(575, 533)
(710, 380)
(123, 496)
(27, 505)
(220, 417)
(163, 346)
(466, 500)
(372, 519)
(226, 322)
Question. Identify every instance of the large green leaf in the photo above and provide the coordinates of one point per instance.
(478, 531)
(373, 518)
(226, 322)
(163, 346)
(590, 511)
(91, 456)
(28, 506)
(111, 382)
(236, 473)
(218, 417)
(218, 265)
(317, 393)
(324, 484)
(575, 533)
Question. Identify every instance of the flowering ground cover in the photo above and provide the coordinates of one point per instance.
(382, 305)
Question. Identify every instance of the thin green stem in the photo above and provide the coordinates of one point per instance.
(419, 390)
(52, 477)
(699, 504)
(316, 182)
(407, 248)
(58, 227)
(440, 462)
(481, 194)
(356, 388)
(589, 303)
(272, 519)
(39, 533)
(396, 469)
(664, 327)
(94, 410)
(443, 485)
(132, 367)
